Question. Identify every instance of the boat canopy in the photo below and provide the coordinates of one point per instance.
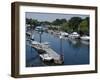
(64, 33)
(75, 33)
(35, 42)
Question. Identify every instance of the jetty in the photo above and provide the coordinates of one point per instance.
(43, 48)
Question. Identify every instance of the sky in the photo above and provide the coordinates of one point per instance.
(51, 16)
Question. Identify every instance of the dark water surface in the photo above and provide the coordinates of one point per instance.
(75, 51)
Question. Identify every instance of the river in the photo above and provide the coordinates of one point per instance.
(76, 52)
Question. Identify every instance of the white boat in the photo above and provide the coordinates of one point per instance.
(35, 43)
(45, 43)
(40, 29)
(85, 37)
(32, 37)
(74, 35)
(45, 57)
(64, 34)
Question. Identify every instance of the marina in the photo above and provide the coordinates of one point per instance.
(57, 39)
(49, 50)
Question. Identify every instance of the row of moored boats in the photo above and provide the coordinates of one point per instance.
(74, 35)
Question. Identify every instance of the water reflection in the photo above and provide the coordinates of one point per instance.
(75, 51)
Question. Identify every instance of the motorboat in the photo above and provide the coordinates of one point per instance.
(35, 43)
(46, 57)
(39, 29)
(64, 34)
(45, 43)
(87, 38)
(74, 35)
(32, 37)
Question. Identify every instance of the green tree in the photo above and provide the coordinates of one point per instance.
(47, 22)
(84, 25)
(32, 22)
(74, 23)
(35, 22)
(65, 27)
(56, 22)
(29, 21)
(59, 21)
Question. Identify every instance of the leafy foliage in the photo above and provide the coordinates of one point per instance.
(74, 24)
(84, 25)
(59, 21)
(65, 27)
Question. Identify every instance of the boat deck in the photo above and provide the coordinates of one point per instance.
(56, 57)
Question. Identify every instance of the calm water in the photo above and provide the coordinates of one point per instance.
(75, 52)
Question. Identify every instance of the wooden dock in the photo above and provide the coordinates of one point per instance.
(56, 57)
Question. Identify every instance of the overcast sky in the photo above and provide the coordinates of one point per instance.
(51, 16)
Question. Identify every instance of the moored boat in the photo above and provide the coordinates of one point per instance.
(74, 35)
(46, 57)
(64, 34)
(85, 38)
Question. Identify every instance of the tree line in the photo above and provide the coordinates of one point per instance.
(74, 24)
